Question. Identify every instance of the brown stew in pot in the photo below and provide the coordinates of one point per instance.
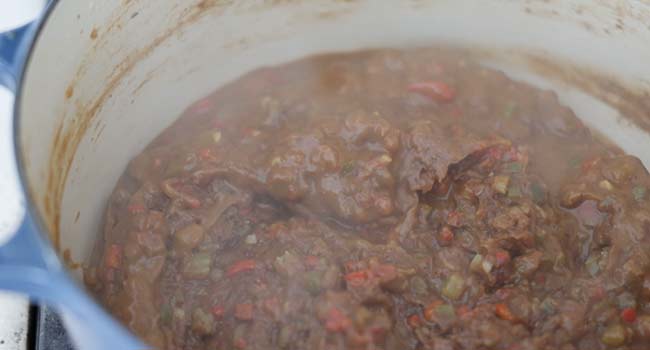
(379, 200)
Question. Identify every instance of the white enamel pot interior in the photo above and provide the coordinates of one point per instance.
(105, 77)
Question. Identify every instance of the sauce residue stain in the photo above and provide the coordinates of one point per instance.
(93, 34)
(67, 260)
(69, 92)
(68, 137)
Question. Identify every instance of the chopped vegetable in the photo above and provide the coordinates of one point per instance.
(189, 237)
(356, 278)
(284, 337)
(419, 285)
(446, 312)
(312, 261)
(275, 161)
(348, 168)
(251, 239)
(430, 310)
(503, 312)
(414, 321)
(639, 193)
(500, 184)
(513, 167)
(626, 300)
(514, 191)
(216, 136)
(240, 343)
(244, 311)
(336, 321)
(643, 326)
(614, 335)
(136, 208)
(197, 266)
(510, 109)
(502, 257)
(385, 159)
(288, 264)
(361, 317)
(241, 266)
(538, 193)
(593, 265)
(113, 258)
(477, 264)
(218, 311)
(202, 322)
(548, 306)
(628, 315)
(454, 218)
(487, 266)
(575, 162)
(239, 336)
(312, 282)
(606, 185)
(454, 287)
(165, 314)
(446, 235)
(464, 312)
(435, 90)
(178, 315)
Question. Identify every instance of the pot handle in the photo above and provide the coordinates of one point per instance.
(30, 266)
(13, 49)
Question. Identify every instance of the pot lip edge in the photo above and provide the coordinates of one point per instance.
(31, 209)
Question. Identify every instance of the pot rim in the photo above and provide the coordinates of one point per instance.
(25, 51)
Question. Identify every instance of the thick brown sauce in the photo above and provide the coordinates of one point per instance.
(379, 200)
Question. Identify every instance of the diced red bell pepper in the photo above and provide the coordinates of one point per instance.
(430, 310)
(357, 278)
(241, 266)
(312, 261)
(244, 311)
(385, 272)
(464, 312)
(628, 315)
(446, 235)
(414, 321)
(454, 218)
(136, 208)
(495, 153)
(336, 321)
(589, 163)
(206, 154)
(272, 305)
(192, 202)
(502, 257)
(436, 90)
(240, 343)
(503, 312)
(218, 311)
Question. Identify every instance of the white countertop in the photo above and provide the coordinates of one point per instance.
(13, 308)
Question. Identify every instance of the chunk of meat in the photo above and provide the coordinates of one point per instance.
(430, 151)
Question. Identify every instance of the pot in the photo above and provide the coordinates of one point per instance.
(97, 81)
